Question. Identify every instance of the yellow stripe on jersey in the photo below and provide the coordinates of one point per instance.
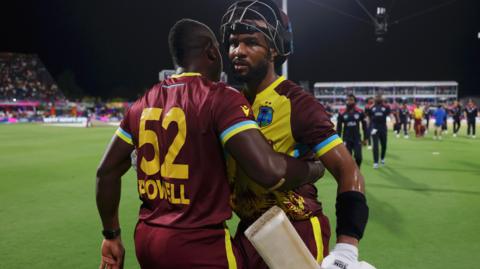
(327, 145)
(187, 74)
(125, 136)
(267, 90)
(317, 233)
(237, 128)
(232, 262)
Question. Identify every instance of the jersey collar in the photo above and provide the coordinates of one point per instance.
(186, 74)
(271, 87)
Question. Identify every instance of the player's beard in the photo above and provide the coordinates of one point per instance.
(255, 73)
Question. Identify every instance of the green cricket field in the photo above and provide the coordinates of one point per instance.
(424, 203)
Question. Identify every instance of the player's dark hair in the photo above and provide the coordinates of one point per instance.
(352, 96)
(188, 39)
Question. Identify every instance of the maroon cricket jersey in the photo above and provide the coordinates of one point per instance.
(178, 128)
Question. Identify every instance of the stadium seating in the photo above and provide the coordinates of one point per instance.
(24, 77)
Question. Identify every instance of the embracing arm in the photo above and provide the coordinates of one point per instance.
(270, 169)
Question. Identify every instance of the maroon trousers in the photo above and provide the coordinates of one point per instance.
(167, 248)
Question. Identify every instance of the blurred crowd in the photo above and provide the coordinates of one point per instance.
(23, 77)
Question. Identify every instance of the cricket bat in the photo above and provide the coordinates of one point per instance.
(279, 244)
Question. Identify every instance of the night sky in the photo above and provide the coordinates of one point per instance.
(117, 48)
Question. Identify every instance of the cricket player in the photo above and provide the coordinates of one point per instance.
(440, 118)
(368, 106)
(456, 111)
(258, 38)
(417, 117)
(378, 115)
(348, 124)
(471, 113)
(404, 117)
(181, 130)
(427, 114)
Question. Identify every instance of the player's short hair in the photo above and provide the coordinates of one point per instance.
(352, 96)
(188, 39)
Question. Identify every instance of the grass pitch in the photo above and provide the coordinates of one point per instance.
(424, 204)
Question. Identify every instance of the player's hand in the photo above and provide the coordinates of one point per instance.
(133, 158)
(341, 257)
(319, 168)
(113, 254)
(312, 159)
(364, 142)
(308, 156)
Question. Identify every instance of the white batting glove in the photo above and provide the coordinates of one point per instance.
(344, 256)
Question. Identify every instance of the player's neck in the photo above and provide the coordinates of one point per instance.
(256, 87)
(193, 68)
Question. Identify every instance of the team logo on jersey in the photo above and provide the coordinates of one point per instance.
(265, 116)
(356, 116)
(246, 110)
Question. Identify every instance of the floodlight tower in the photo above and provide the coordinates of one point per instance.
(381, 23)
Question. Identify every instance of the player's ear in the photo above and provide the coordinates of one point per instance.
(273, 54)
(212, 53)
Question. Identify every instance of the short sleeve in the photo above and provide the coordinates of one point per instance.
(311, 125)
(232, 113)
(124, 131)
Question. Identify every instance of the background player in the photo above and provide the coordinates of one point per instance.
(396, 123)
(427, 114)
(456, 111)
(471, 112)
(348, 127)
(445, 122)
(440, 118)
(404, 117)
(418, 117)
(257, 38)
(368, 107)
(378, 115)
(178, 129)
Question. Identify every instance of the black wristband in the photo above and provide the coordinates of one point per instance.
(352, 214)
(111, 234)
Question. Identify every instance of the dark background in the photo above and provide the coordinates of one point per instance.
(116, 48)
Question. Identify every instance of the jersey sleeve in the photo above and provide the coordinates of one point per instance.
(311, 124)
(124, 132)
(232, 114)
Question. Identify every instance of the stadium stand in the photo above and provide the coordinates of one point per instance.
(24, 77)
